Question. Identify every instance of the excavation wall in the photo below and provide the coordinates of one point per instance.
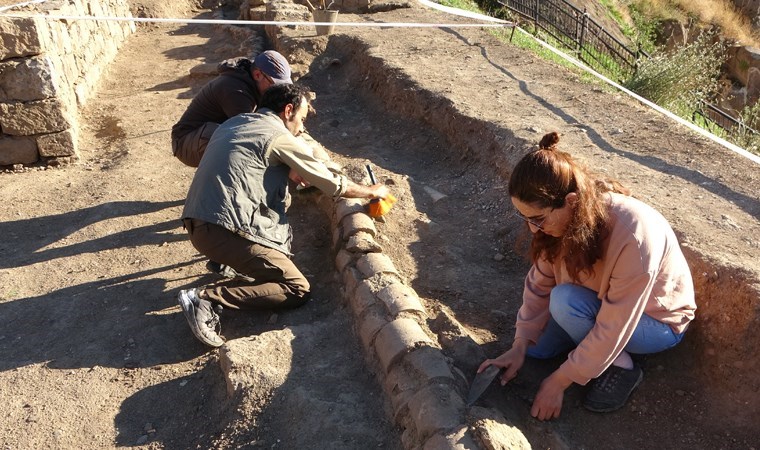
(48, 69)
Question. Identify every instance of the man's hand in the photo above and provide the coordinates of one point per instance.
(548, 402)
(297, 179)
(360, 191)
(379, 191)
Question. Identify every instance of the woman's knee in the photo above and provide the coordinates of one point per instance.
(561, 299)
(572, 302)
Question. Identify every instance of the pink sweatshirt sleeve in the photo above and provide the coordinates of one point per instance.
(534, 312)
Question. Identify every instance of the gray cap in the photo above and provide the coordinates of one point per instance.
(274, 65)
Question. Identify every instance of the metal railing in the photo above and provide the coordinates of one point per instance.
(579, 32)
(600, 50)
(721, 118)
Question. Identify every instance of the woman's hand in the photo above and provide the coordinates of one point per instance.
(511, 361)
(548, 402)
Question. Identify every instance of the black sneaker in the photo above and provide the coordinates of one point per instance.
(200, 315)
(613, 387)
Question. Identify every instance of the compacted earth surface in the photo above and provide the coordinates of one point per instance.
(95, 352)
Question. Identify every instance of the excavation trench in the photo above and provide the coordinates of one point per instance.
(454, 242)
(96, 255)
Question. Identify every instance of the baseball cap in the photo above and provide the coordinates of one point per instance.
(274, 65)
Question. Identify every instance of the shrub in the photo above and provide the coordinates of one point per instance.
(681, 79)
(745, 135)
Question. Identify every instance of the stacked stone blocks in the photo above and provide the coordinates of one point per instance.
(48, 69)
(391, 322)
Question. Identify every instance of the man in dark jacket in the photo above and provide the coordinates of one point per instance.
(237, 89)
(235, 208)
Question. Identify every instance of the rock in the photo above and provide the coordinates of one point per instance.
(435, 195)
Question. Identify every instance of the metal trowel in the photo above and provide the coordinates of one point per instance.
(481, 383)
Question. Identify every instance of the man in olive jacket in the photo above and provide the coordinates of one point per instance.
(235, 208)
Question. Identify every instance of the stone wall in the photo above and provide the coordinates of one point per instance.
(48, 69)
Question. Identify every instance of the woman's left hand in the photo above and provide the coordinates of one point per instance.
(548, 402)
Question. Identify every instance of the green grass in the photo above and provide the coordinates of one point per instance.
(613, 12)
(522, 40)
(668, 81)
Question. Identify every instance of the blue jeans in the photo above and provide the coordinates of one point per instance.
(573, 314)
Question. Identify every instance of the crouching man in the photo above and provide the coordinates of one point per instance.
(235, 209)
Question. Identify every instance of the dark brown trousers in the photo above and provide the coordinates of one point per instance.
(190, 148)
(276, 281)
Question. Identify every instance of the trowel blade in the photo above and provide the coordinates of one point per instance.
(481, 383)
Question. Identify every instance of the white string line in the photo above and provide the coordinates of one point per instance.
(499, 23)
(262, 22)
(463, 13)
(495, 23)
(17, 5)
(733, 147)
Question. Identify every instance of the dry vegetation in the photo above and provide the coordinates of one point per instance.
(722, 13)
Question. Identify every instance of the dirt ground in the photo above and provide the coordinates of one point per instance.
(94, 352)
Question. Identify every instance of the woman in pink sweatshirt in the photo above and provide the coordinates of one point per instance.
(608, 280)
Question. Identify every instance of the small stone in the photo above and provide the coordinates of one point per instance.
(142, 440)
(498, 257)
(272, 319)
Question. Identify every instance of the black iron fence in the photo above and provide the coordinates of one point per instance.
(579, 32)
(596, 47)
(722, 119)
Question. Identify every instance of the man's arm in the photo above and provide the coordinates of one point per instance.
(293, 152)
(354, 190)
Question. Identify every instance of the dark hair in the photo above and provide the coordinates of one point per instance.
(279, 95)
(543, 178)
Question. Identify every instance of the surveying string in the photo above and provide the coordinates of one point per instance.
(718, 140)
(3, 8)
(260, 22)
(493, 23)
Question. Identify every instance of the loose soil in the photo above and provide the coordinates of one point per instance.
(95, 353)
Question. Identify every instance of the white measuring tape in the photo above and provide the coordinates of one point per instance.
(3, 8)
(490, 22)
(733, 147)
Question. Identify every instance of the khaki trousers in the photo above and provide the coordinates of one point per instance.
(277, 282)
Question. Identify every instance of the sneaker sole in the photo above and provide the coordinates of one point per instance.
(188, 308)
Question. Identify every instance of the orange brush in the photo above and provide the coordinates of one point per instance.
(378, 207)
